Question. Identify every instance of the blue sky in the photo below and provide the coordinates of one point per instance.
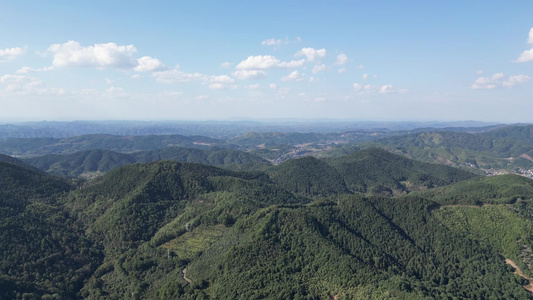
(201, 60)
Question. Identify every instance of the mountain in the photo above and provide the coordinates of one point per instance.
(88, 163)
(43, 146)
(175, 230)
(227, 158)
(17, 162)
(42, 252)
(82, 163)
(503, 189)
(487, 152)
(522, 133)
(308, 176)
(377, 171)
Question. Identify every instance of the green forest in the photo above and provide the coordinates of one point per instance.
(216, 223)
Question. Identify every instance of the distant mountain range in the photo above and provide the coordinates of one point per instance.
(215, 129)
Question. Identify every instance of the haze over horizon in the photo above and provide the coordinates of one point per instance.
(358, 60)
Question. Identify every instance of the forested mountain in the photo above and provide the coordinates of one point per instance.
(216, 129)
(43, 146)
(81, 163)
(366, 224)
(42, 251)
(17, 162)
(377, 171)
(221, 157)
(518, 132)
(86, 163)
(508, 148)
(308, 176)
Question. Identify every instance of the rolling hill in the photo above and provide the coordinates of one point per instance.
(91, 162)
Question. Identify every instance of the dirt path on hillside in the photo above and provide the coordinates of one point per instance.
(463, 205)
(184, 272)
(456, 205)
(528, 287)
(526, 157)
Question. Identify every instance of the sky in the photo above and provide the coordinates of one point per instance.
(232, 60)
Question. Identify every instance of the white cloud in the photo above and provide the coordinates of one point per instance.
(341, 59)
(390, 89)
(487, 82)
(26, 85)
(282, 91)
(226, 65)
(135, 76)
(116, 92)
(274, 42)
(170, 94)
(222, 86)
(499, 80)
(202, 97)
(263, 62)
(9, 54)
(26, 70)
(479, 72)
(273, 86)
(216, 86)
(318, 68)
(294, 75)
(176, 76)
(107, 55)
(147, 63)
(220, 79)
(249, 74)
(365, 76)
(368, 89)
(516, 79)
(341, 70)
(253, 86)
(361, 67)
(312, 54)
(320, 99)
(527, 55)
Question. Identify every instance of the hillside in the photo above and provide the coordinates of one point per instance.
(522, 133)
(172, 230)
(43, 146)
(308, 176)
(42, 252)
(220, 157)
(490, 152)
(376, 171)
(82, 163)
(88, 163)
(503, 189)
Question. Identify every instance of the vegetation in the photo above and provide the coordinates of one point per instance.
(43, 146)
(504, 189)
(84, 163)
(43, 253)
(364, 224)
(308, 176)
(507, 148)
(376, 171)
